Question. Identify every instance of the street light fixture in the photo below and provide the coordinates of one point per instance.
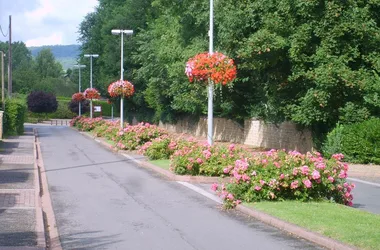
(121, 32)
(91, 56)
(80, 66)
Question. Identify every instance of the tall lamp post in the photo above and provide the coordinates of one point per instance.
(80, 66)
(210, 84)
(91, 56)
(2, 79)
(121, 33)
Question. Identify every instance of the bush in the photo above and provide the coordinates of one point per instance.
(277, 175)
(14, 116)
(160, 148)
(359, 142)
(86, 124)
(42, 102)
(73, 106)
(194, 158)
(133, 137)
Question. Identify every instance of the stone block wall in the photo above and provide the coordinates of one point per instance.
(255, 133)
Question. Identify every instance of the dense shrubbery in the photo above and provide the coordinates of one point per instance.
(42, 102)
(274, 175)
(277, 175)
(359, 142)
(14, 116)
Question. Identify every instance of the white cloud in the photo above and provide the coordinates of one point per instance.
(45, 22)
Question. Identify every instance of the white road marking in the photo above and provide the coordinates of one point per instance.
(131, 158)
(364, 182)
(200, 191)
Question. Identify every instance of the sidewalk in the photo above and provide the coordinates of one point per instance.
(21, 225)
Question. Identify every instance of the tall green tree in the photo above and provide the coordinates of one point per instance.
(46, 65)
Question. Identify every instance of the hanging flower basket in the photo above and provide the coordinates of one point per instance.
(218, 67)
(91, 93)
(121, 88)
(78, 97)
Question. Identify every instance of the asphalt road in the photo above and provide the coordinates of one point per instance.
(103, 201)
(366, 196)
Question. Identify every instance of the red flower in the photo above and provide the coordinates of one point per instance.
(121, 88)
(218, 67)
(78, 97)
(91, 93)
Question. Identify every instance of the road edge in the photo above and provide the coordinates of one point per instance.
(52, 240)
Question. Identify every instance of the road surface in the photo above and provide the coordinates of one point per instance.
(102, 200)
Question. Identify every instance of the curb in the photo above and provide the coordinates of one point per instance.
(40, 228)
(170, 175)
(51, 235)
(261, 216)
(294, 229)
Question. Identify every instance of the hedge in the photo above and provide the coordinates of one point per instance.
(14, 116)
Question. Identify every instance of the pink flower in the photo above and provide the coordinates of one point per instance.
(257, 188)
(295, 171)
(246, 177)
(230, 196)
(294, 185)
(242, 164)
(223, 156)
(254, 173)
(343, 174)
(304, 170)
(207, 154)
(231, 147)
(265, 161)
(262, 182)
(307, 183)
(331, 179)
(199, 160)
(321, 166)
(338, 156)
(282, 176)
(350, 203)
(277, 164)
(316, 175)
(226, 170)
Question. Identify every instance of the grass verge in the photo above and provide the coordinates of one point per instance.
(342, 223)
(161, 163)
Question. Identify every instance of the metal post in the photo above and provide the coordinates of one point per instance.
(2, 81)
(121, 78)
(91, 85)
(112, 112)
(210, 83)
(10, 59)
(80, 103)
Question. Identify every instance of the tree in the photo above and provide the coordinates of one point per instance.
(42, 102)
(46, 66)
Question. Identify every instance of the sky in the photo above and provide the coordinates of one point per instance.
(44, 22)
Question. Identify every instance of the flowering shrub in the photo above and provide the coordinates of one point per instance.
(216, 66)
(277, 175)
(78, 97)
(159, 148)
(133, 137)
(202, 159)
(91, 93)
(86, 124)
(121, 88)
(108, 129)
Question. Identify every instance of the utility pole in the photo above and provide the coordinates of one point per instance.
(2, 79)
(10, 59)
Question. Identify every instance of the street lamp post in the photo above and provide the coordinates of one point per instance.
(91, 56)
(2, 79)
(80, 66)
(121, 33)
(210, 84)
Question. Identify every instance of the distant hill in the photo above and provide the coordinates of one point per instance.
(65, 54)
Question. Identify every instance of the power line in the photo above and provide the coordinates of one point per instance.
(3, 32)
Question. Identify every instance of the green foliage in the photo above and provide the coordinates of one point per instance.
(14, 116)
(106, 108)
(359, 142)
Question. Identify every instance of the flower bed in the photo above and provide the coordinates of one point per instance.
(277, 175)
(273, 175)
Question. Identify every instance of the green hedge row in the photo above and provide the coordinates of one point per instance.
(14, 116)
(359, 142)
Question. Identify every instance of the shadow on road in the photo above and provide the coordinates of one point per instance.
(88, 240)
(94, 164)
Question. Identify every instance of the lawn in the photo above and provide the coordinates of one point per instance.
(161, 163)
(345, 224)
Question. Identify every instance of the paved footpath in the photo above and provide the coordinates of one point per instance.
(18, 197)
(102, 200)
